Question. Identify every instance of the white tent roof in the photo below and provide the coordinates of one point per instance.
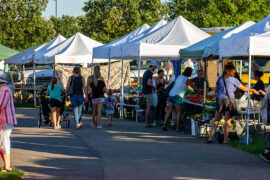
(57, 40)
(75, 50)
(210, 46)
(116, 50)
(165, 42)
(102, 52)
(20, 58)
(253, 40)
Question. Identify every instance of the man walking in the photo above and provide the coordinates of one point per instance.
(147, 90)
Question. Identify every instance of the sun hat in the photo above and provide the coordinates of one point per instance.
(154, 63)
(2, 77)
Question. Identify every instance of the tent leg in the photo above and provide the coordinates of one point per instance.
(122, 90)
(248, 109)
(204, 82)
(92, 66)
(34, 71)
(138, 93)
(21, 84)
(241, 64)
(109, 73)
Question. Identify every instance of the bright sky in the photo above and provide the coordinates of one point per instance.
(66, 7)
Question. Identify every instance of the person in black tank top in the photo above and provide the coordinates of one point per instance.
(97, 88)
(160, 87)
(77, 82)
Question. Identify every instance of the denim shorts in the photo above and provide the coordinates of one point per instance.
(98, 100)
(175, 100)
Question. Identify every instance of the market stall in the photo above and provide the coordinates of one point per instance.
(161, 44)
(251, 43)
(205, 50)
(106, 50)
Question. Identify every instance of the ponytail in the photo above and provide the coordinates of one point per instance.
(97, 75)
(54, 81)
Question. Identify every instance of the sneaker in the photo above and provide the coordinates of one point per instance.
(99, 127)
(172, 124)
(154, 124)
(265, 156)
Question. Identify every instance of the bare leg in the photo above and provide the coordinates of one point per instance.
(227, 126)
(94, 121)
(179, 112)
(3, 157)
(58, 117)
(7, 161)
(215, 125)
(99, 109)
(53, 110)
(110, 118)
(168, 114)
(147, 114)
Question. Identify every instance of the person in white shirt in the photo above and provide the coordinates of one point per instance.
(175, 98)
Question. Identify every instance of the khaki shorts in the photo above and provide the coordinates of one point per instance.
(149, 100)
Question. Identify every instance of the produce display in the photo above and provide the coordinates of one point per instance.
(191, 96)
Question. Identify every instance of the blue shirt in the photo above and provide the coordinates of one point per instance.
(231, 83)
(109, 103)
(56, 92)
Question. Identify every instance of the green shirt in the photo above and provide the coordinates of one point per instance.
(199, 83)
(56, 92)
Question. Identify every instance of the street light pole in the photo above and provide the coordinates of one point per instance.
(55, 8)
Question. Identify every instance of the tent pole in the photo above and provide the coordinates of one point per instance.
(92, 66)
(21, 83)
(138, 93)
(34, 71)
(109, 73)
(204, 82)
(248, 109)
(24, 80)
(241, 64)
(122, 90)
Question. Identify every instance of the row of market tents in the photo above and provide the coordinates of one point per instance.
(178, 39)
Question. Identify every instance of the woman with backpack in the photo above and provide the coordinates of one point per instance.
(76, 89)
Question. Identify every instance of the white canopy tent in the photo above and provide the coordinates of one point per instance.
(19, 59)
(57, 40)
(210, 46)
(253, 41)
(116, 50)
(75, 50)
(161, 44)
(103, 52)
(165, 42)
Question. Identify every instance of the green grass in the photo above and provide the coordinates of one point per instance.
(256, 147)
(15, 174)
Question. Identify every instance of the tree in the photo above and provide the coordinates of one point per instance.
(66, 25)
(217, 13)
(107, 20)
(22, 25)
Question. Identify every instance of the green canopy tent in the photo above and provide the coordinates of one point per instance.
(6, 52)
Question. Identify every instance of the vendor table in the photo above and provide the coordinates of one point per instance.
(255, 122)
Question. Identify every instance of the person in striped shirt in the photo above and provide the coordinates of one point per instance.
(7, 121)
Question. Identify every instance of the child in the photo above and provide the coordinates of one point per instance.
(110, 102)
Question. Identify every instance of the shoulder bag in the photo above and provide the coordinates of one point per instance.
(70, 90)
(232, 105)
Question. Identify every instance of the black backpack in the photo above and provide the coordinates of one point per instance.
(167, 91)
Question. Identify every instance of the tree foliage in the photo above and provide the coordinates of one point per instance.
(107, 20)
(22, 25)
(217, 13)
(66, 25)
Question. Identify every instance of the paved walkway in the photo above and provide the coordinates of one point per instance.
(125, 151)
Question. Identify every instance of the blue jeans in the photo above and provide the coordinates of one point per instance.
(77, 105)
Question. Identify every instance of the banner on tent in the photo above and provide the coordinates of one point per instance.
(63, 72)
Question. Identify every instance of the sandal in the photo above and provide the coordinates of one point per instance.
(149, 126)
(6, 170)
(165, 129)
(78, 127)
(208, 141)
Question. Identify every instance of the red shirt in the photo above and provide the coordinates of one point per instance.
(7, 110)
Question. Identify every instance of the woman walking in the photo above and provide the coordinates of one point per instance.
(225, 98)
(77, 84)
(7, 121)
(55, 91)
(97, 89)
(175, 98)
